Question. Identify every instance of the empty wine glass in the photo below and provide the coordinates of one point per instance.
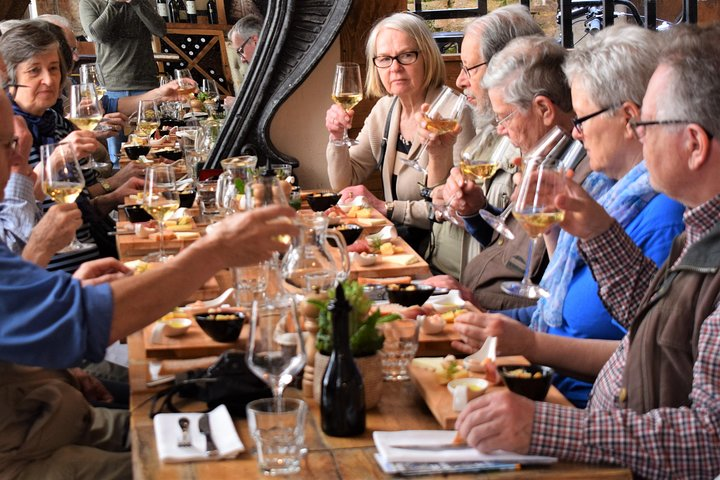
(442, 117)
(148, 118)
(535, 210)
(347, 92)
(62, 179)
(160, 199)
(212, 95)
(85, 112)
(276, 350)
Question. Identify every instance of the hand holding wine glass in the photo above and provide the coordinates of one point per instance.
(148, 118)
(347, 92)
(62, 179)
(160, 199)
(186, 85)
(276, 348)
(442, 117)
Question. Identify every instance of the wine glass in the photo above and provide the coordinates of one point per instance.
(276, 350)
(148, 118)
(442, 117)
(88, 74)
(553, 141)
(85, 112)
(212, 95)
(347, 92)
(163, 79)
(62, 179)
(185, 84)
(160, 199)
(535, 210)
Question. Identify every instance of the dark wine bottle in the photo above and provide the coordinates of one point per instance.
(162, 9)
(182, 12)
(212, 12)
(191, 11)
(342, 404)
(173, 11)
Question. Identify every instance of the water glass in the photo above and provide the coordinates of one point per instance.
(401, 343)
(250, 283)
(206, 197)
(278, 430)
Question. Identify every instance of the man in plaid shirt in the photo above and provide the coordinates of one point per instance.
(655, 406)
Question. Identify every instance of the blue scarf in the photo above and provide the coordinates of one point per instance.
(623, 201)
(42, 128)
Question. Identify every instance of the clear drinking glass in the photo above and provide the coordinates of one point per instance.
(535, 210)
(212, 95)
(88, 74)
(276, 350)
(278, 430)
(160, 199)
(347, 92)
(250, 283)
(442, 117)
(399, 347)
(148, 118)
(185, 84)
(85, 112)
(62, 179)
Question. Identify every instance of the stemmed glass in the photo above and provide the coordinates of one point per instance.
(185, 84)
(88, 74)
(535, 210)
(85, 112)
(276, 350)
(62, 179)
(347, 92)
(212, 95)
(148, 118)
(160, 199)
(442, 117)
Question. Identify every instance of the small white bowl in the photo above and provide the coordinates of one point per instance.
(366, 259)
(475, 386)
(176, 327)
(446, 303)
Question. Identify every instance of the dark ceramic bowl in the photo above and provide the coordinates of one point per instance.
(349, 232)
(222, 327)
(134, 151)
(187, 198)
(409, 294)
(320, 202)
(170, 154)
(137, 214)
(531, 381)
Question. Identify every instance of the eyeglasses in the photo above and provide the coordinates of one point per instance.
(241, 51)
(406, 58)
(577, 122)
(638, 127)
(7, 86)
(467, 70)
(499, 121)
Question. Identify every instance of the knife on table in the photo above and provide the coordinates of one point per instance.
(204, 424)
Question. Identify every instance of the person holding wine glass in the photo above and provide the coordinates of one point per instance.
(620, 183)
(404, 68)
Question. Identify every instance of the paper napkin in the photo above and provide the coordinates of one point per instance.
(168, 433)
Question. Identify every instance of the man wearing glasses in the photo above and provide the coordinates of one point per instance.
(244, 37)
(655, 406)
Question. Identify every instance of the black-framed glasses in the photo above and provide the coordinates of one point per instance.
(467, 70)
(638, 126)
(405, 58)
(241, 49)
(499, 121)
(7, 86)
(577, 122)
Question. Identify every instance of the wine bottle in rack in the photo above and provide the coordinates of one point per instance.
(191, 11)
(183, 11)
(212, 12)
(173, 11)
(342, 403)
(162, 9)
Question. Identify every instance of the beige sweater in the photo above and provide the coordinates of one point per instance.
(352, 166)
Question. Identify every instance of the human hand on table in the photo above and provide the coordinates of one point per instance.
(499, 420)
(513, 338)
(102, 270)
(92, 389)
(337, 120)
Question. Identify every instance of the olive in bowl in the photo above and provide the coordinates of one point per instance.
(349, 232)
(223, 327)
(409, 294)
(531, 381)
(134, 151)
(319, 202)
(170, 154)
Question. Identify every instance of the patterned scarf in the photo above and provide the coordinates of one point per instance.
(42, 128)
(623, 201)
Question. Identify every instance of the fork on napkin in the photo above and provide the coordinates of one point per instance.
(387, 445)
(167, 434)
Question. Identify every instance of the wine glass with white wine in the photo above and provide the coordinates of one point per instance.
(85, 112)
(442, 117)
(160, 199)
(347, 92)
(535, 210)
(186, 85)
(88, 74)
(148, 118)
(62, 179)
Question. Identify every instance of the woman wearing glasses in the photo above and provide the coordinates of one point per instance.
(404, 68)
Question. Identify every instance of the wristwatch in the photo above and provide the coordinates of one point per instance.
(106, 186)
(389, 209)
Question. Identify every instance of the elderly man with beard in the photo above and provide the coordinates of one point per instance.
(453, 247)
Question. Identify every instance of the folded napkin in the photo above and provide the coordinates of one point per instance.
(384, 442)
(168, 433)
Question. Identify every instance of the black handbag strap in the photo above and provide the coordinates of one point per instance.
(383, 144)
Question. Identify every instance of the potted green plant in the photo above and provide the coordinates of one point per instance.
(365, 339)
